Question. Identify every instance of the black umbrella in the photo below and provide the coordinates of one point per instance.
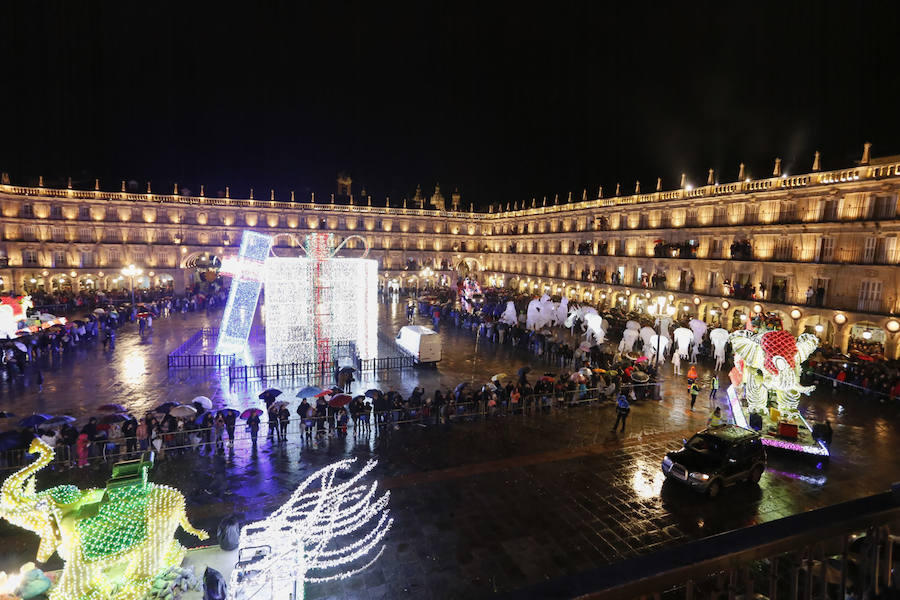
(373, 393)
(116, 418)
(460, 387)
(524, 370)
(270, 394)
(165, 407)
(346, 370)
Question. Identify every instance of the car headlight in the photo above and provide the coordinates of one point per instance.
(667, 463)
(700, 476)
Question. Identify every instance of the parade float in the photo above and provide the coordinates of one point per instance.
(115, 541)
(766, 373)
(314, 303)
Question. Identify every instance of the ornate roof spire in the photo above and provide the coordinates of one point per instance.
(816, 162)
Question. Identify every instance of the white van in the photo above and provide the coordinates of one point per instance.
(421, 343)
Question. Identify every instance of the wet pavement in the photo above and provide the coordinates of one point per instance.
(483, 506)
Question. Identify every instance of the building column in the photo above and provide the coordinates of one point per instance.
(842, 337)
(179, 281)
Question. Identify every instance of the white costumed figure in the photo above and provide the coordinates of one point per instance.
(683, 339)
(595, 328)
(646, 334)
(562, 312)
(629, 337)
(633, 325)
(699, 328)
(509, 315)
(718, 337)
(658, 345)
(676, 363)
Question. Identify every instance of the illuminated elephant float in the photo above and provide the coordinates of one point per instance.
(114, 541)
(770, 361)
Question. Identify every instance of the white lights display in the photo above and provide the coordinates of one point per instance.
(243, 296)
(114, 542)
(310, 301)
(327, 530)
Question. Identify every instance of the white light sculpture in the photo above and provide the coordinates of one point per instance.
(243, 296)
(308, 539)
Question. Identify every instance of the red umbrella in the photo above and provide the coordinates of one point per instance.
(339, 400)
(327, 392)
(251, 412)
(115, 408)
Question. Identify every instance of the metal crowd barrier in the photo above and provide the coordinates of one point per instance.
(380, 421)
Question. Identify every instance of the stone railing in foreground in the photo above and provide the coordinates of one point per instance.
(822, 553)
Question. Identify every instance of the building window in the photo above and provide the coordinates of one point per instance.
(29, 258)
(56, 212)
(886, 207)
(112, 235)
(84, 212)
(869, 250)
(87, 259)
(58, 234)
(869, 295)
(784, 248)
(28, 233)
(85, 234)
(59, 259)
(113, 257)
(825, 251)
(27, 211)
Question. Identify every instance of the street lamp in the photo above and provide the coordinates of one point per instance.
(132, 272)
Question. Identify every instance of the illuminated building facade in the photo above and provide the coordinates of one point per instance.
(824, 244)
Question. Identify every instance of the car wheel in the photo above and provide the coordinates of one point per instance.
(756, 473)
(714, 488)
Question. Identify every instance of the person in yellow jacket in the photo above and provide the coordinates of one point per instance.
(693, 390)
(715, 419)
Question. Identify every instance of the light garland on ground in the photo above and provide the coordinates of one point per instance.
(114, 541)
(299, 538)
(243, 296)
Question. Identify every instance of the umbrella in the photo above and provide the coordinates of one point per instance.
(523, 371)
(165, 407)
(229, 411)
(6, 415)
(99, 311)
(576, 377)
(251, 412)
(498, 376)
(328, 392)
(584, 346)
(279, 404)
(20, 346)
(585, 371)
(112, 408)
(632, 356)
(183, 410)
(373, 393)
(460, 387)
(346, 370)
(309, 391)
(639, 377)
(143, 315)
(641, 359)
(116, 418)
(548, 378)
(60, 420)
(271, 394)
(202, 401)
(34, 420)
(339, 400)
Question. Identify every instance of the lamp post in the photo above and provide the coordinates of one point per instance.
(132, 272)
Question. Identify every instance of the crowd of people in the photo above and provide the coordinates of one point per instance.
(864, 369)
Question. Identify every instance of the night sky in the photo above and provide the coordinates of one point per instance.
(505, 101)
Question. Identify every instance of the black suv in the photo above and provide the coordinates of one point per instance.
(717, 457)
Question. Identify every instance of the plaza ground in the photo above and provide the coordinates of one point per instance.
(481, 507)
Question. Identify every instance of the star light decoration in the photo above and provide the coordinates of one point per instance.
(326, 531)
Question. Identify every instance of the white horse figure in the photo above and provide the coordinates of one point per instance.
(719, 337)
(595, 328)
(633, 325)
(699, 328)
(536, 316)
(509, 315)
(578, 313)
(665, 323)
(646, 333)
(683, 339)
(629, 337)
(658, 345)
(562, 312)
